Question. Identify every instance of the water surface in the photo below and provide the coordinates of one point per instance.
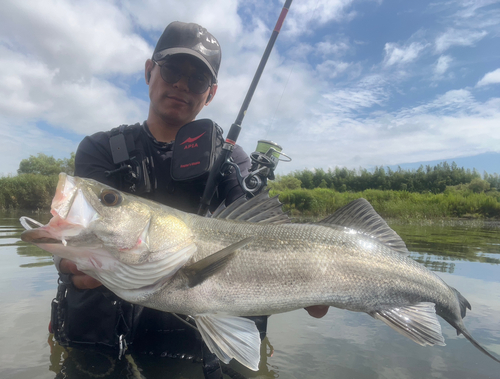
(343, 344)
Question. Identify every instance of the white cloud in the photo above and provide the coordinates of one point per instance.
(326, 48)
(452, 125)
(352, 100)
(442, 65)
(218, 16)
(31, 90)
(77, 66)
(473, 10)
(452, 102)
(401, 55)
(461, 37)
(316, 12)
(492, 77)
(80, 39)
(331, 69)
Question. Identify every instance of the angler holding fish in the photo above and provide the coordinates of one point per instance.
(127, 221)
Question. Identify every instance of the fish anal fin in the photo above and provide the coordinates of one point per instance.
(206, 267)
(418, 322)
(231, 337)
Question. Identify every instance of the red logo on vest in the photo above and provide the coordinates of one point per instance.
(190, 146)
(191, 140)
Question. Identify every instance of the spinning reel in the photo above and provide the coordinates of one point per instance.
(265, 159)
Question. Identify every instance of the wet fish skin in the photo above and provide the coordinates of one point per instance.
(218, 270)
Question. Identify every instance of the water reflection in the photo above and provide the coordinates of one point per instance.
(452, 243)
(10, 232)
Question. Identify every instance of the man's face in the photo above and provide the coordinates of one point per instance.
(175, 103)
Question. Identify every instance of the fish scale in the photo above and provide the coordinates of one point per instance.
(341, 269)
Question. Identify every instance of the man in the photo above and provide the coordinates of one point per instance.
(182, 79)
(186, 55)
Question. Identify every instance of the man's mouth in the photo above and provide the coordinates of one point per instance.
(178, 99)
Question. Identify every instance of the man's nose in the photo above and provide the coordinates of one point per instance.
(183, 83)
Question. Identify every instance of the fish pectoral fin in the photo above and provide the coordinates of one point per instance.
(231, 337)
(206, 267)
(418, 322)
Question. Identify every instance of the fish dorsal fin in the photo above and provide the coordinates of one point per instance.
(418, 322)
(261, 208)
(360, 215)
(206, 267)
(231, 337)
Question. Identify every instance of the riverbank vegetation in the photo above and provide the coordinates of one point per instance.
(35, 185)
(442, 191)
(403, 205)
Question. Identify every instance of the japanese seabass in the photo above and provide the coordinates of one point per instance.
(217, 269)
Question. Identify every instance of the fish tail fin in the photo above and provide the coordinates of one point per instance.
(459, 326)
(464, 304)
(462, 330)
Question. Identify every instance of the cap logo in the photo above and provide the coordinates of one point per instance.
(212, 41)
(202, 49)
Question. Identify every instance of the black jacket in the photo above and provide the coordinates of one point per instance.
(93, 159)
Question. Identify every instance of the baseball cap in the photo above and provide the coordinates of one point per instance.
(192, 39)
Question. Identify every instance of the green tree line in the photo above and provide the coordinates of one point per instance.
(429, 192)
(35, 185)
(434, 179)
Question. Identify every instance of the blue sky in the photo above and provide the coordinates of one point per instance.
(350, 83)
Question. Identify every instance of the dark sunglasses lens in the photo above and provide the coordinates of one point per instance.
(170, 74)
(197, 83)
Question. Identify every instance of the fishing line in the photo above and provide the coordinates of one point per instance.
(220, 165)
(185, 322)
(282, 93)
(313, 14)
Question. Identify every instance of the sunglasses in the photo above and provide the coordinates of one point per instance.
(197, 83)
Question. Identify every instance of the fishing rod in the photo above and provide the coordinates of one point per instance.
(223, 162)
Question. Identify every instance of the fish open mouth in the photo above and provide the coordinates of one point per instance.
(71, 213)
(38, 234)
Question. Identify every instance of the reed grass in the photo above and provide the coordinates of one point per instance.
(395, 204)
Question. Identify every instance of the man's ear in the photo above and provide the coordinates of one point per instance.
(211, 94)
(147, 70)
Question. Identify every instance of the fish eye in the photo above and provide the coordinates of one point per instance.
(110, 198)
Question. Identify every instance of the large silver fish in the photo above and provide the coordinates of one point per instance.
(217, 269)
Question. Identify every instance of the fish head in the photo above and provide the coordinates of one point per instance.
(124, 241)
